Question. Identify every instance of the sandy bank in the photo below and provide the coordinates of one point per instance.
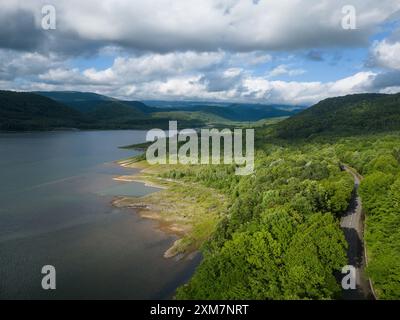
(188, 210)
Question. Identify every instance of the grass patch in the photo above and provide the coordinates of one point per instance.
(186, 209)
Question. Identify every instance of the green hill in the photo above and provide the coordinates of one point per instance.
(114, 110)
(348, 115)
(89, 102)
(73, 96)
(141, 106)
(28, 111)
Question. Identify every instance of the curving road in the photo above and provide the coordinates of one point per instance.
(352, 223)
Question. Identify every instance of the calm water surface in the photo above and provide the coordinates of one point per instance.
(55, 195)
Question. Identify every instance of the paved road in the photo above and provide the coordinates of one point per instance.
(352, 223)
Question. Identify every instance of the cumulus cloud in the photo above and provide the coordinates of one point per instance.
(222, 80)
(387, 81)
(249, 58)
(22, 64)
(285, 70)
(151, 67)
(187, 75)
(293, 92)
(386, 54)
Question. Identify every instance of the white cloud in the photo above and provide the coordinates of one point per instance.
(250, 58)
(187, 75)
(285, 70)
(155, 66)
(391, 90)
(62, 75)
(257, 88)
(359, 82)
(14, 65)
(386, 54)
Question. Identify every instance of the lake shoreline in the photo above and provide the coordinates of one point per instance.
(146, 210)
(178, 210)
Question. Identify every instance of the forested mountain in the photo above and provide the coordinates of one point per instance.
(73, 96)
(95, 103)
(353, 114)
(114, 110)
(28, 111)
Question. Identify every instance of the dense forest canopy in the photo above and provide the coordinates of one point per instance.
(281, 238)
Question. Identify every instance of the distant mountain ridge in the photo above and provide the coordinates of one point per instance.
(73, 96)
(229, 110)
(189, 103)
(241, 112)
(352, 114)
(85, 110)
(90, 102)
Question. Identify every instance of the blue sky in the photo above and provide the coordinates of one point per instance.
(275, 51)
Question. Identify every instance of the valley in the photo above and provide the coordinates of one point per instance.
(41, 111)
(286, 230)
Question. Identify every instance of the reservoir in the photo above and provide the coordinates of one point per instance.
(55, 209)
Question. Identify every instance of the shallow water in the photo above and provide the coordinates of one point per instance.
(55, 193)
